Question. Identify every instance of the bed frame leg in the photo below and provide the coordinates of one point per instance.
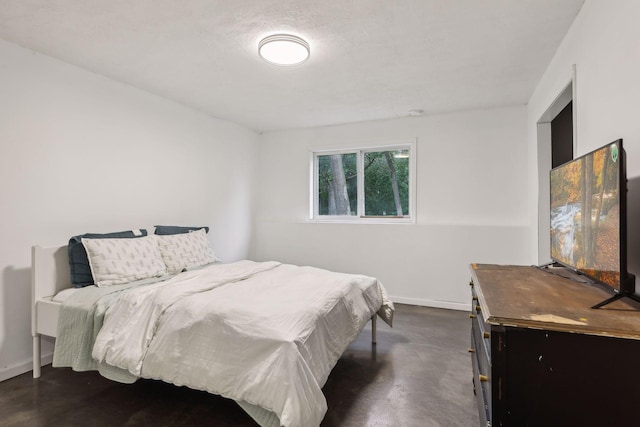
(37, 362)
(373, 329)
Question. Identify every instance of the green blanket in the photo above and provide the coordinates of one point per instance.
(81, 317)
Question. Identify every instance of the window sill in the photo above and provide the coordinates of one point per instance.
(362, 220)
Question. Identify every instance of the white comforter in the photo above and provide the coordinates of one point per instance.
(265, 333)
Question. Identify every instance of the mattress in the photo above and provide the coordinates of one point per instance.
(64, 294)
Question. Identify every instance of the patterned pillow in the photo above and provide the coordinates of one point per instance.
(78, 262)
(180, 251)
(118, 261)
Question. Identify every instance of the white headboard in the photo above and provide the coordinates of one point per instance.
(49, 271)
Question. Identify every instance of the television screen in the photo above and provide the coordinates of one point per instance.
(587, 215)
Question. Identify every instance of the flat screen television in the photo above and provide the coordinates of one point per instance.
(588, 219)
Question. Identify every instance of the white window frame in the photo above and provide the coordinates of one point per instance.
(359, 218)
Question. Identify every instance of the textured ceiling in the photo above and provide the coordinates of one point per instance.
(370, 59)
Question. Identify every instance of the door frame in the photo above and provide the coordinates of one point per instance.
(567, 95)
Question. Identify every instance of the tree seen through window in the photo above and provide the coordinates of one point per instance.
(385, 189)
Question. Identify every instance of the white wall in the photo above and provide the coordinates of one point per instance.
(604, 44)
(471, 204)
(81, 153)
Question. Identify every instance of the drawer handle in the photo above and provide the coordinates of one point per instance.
(472, 316)
(471, 350)
(483, 378)
(471, 283)
(486, 335)
(474, 298)
(477, 307)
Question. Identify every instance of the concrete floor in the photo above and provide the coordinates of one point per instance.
(419, 374)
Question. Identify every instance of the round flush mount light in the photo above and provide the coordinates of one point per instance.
(284, 49)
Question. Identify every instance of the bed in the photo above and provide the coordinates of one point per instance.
(277, 379)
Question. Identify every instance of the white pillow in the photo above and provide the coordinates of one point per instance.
(118, 261)
(186, 250)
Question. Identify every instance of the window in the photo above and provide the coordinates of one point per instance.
(369, 184)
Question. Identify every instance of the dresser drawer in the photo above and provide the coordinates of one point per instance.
(481, 359)
(481, 382)
(482, 329)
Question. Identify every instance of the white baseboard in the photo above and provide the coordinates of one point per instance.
(21, 368)
(449, 305)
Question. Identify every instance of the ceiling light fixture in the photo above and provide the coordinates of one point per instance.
(416, 113)
(284, 49)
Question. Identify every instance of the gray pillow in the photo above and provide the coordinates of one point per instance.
(164, 230)
(79, 263)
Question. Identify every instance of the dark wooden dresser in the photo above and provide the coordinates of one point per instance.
(542, 357)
